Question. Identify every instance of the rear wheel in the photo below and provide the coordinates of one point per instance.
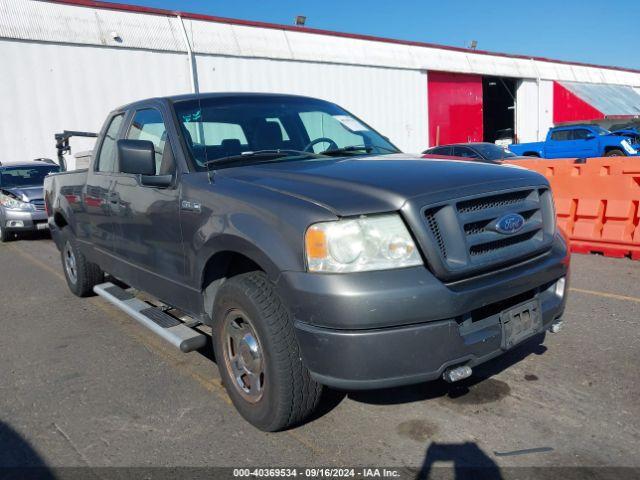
(614, 153)
(4, 235)
(258, 355)
(81, 274)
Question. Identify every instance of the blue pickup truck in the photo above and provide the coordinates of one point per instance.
(579, 141)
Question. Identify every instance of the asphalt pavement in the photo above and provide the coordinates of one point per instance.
(82, 384)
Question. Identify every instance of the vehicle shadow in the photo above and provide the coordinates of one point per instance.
(18, 459)
(468, 459)
(458, 390)
(30, 236)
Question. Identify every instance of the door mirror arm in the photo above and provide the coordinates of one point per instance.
(156, 181)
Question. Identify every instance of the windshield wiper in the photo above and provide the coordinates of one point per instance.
(357, 148)
(253, 157)
(259, 154)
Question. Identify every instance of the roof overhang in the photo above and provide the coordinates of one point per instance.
(585, 102)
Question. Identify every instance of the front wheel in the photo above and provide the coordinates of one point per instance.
(81, 275)
(258, 355)
(614, 153)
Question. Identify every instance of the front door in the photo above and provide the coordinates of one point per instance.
(148, 243)
(585, 143)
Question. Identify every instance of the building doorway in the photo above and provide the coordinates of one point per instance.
(499, 109)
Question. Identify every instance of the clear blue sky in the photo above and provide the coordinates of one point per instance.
(593, 31)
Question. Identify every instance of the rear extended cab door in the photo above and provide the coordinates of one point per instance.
(559, 144)
(96, 227)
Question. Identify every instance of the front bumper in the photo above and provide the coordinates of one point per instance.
(383, 329)
(19, 221)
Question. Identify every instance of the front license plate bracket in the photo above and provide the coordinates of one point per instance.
(520, 323)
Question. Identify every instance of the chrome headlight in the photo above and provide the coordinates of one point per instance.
(11, 203)
(378, 242)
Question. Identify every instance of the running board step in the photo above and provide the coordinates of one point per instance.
(155, 319)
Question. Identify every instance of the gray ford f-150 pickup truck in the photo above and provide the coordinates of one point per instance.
(316, 251)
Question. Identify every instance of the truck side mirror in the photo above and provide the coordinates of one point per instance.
(137, 157)
(590, 136)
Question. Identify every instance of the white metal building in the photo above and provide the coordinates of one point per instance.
(66, 64)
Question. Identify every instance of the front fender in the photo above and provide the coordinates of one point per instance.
(230, 243)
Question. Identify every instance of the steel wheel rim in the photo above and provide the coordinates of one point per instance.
(243, 356)
(70, 264)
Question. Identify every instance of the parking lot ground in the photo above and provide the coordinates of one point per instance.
(83, 384)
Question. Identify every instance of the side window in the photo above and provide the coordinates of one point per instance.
(580, 134)
(561, 135)
(148, 125)
(440, 151)
(322, 125)
(106, 159)
(464, 152)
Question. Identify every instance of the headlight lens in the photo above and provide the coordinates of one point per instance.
(379, 242)
(11, 203)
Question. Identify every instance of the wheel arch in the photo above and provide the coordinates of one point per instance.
(609, 148)
(60, 220)
(231, 258)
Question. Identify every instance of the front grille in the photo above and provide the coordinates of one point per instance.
(500, 244)
(435, 231)
(38, 204)
(511, 199)
(466, 236)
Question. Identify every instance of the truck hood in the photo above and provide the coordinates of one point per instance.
(383, 183)
(26, 194)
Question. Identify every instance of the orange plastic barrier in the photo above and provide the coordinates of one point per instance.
(597, 202)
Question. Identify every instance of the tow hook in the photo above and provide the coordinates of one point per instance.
(451, 375)
(556, 326)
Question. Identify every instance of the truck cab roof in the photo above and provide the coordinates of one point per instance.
(209, 95)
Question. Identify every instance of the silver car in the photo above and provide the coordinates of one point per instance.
(21, 197)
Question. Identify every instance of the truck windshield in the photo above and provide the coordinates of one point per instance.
(13, 177)
(218, 128)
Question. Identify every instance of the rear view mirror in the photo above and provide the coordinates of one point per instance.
(590, 136)
(137, 157)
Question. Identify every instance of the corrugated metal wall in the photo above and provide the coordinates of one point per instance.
(38, 20)
(46, 88)
(394, 102)
(51, 87)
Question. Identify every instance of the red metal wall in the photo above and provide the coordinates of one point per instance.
(455, 108)
(567, 107)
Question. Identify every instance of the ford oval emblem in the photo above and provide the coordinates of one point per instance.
(509, 224)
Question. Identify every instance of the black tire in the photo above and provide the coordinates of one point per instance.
(5, 236)
(614, 153)
(289, 394)
(84, 275)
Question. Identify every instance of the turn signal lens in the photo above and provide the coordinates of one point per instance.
(316, 243)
